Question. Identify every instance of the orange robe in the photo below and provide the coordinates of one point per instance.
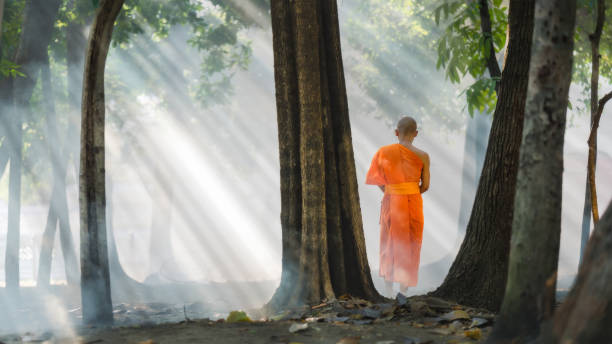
(401, 215)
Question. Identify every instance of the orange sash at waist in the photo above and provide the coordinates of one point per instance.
(403, 188)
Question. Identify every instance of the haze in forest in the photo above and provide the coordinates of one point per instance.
(194, 190)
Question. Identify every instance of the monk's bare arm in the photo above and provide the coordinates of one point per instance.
(425, 174)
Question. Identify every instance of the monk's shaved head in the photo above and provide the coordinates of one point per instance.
(406, 126)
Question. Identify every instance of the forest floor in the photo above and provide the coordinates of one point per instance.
(417, 319)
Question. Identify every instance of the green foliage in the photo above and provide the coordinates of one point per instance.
(11, 30)
(463, 50)
(392, 45)
(8, 68)
(481, 96)
(215, 33)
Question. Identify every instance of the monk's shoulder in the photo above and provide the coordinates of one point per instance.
(388, 149)
(422, 154)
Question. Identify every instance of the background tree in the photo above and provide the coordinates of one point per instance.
(38, 20)
(95, 276)
(477, 277)
(536, 227)
(595, 104)
(322, 235)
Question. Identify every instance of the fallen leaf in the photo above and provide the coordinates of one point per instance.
(370, 313)
(455, 315)
(362, 322)
(474, 333)
(149, 341)
(420, 307)
(442, 331)
(298, 327)
(238, 316)
(477, 322)
(455, 326)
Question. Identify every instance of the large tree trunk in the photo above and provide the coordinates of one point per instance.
(532, 273)
(36, 32)
(585, 316)
(323, 242)
(95, 276)
(478, 274)
(58, 208)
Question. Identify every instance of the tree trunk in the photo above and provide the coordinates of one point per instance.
(1, 17)
(585, 316)
(595, 38)
(323, 242)
(58, 208)
(532, 273)
(11, 261)
(95, 276)
(478, 274)
(37, 27)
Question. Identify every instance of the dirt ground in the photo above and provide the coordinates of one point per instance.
(347, 320)
(205, 332)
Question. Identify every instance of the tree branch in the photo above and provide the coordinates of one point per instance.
(592, 154)
(485, 25)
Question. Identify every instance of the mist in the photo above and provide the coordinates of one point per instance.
(193, 191)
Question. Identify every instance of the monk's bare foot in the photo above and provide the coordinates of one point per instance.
(389, 288)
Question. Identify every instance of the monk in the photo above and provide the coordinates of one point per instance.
(401, 171)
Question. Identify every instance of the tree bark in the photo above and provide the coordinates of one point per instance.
(323, 242)
(35, 36)
(95, 276)
(585, 316)
(58, 208)
(532, 273)
(478, 275)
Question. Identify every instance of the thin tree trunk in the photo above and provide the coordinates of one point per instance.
(595, 38)
(532, 273)
(35, 36)
(14, 207)
(1, 18)
(58, 208)
(478, 275)
(95, 275)
(323, 242)
(585, 316)
(4, 158)
(593, 153)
